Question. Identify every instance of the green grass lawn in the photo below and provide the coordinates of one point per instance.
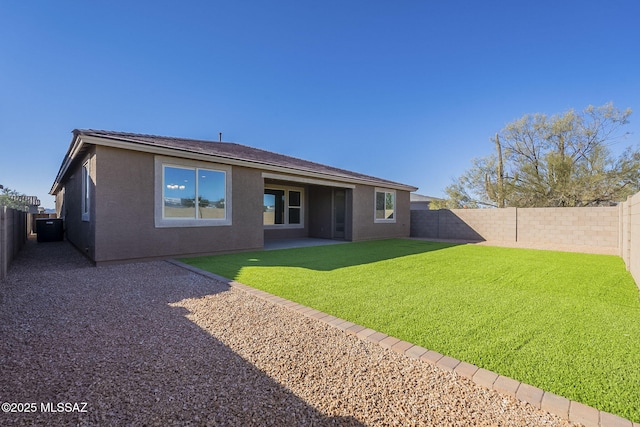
(565, 322)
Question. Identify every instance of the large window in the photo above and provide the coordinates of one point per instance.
(191, 193)
(282, 207)
(385, 206)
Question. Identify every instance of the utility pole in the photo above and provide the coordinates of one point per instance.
(501, 195)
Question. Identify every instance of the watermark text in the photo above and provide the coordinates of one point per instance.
(44, 407)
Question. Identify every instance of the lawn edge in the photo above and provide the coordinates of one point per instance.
(562, 407)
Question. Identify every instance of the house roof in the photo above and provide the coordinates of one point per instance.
(415, 197)
(222, 152)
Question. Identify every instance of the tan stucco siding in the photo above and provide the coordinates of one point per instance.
(126, 209)
(320, 217)
(126, 222)
(364, 225)
(78, 231)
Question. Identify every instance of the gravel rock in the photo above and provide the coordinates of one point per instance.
(151, 343)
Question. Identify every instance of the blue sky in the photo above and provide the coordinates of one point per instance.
(404, 90)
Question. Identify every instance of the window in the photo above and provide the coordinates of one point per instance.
(295, 207)
(282, 207)
(192, 193)
(86, 191)
(385, 206)
(273, 207)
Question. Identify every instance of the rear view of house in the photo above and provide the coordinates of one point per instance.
(127, 196)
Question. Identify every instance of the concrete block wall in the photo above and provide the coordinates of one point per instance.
(630, 235)
(13, 236)
(592, 226)
(465, 224)
(424, 223)
(488, 224)
(614, 229)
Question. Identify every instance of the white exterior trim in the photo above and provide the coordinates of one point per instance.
(304, 180)
(286, 189)
(85, 183)
(385, 191)
(160, 221)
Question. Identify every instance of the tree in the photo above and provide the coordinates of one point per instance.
(562, 160)
(13, 199)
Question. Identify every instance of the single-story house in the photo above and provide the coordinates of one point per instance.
(126, 196)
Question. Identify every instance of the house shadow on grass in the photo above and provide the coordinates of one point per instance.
(318, 258)
(110, 337)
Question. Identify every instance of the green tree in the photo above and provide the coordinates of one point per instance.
(560, 160)
(13, 199)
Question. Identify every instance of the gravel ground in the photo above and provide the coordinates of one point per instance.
(154, 344)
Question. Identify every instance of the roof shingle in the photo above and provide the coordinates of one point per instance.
(230, 150)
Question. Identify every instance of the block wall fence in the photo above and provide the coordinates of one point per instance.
(13, 236)
(607, 230)
(630, 235)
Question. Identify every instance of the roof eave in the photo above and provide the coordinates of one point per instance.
(74, 148)
(125, 143)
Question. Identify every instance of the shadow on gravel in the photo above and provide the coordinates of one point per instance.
(107, 337)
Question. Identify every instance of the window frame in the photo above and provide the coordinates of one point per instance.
(384, 191)
(85, 178)
(161, 221)
(287, 206)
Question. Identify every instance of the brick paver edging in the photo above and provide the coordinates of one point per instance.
(567, 409)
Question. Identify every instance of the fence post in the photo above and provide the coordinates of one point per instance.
(626, 243)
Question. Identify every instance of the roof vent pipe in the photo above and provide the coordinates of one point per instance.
(220, 136)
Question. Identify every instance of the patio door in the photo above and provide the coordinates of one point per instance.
(339, 213)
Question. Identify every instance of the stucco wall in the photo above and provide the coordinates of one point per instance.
(363, 226)
(69, 207)
(320, 216)
(125, 200)
(125, 227)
